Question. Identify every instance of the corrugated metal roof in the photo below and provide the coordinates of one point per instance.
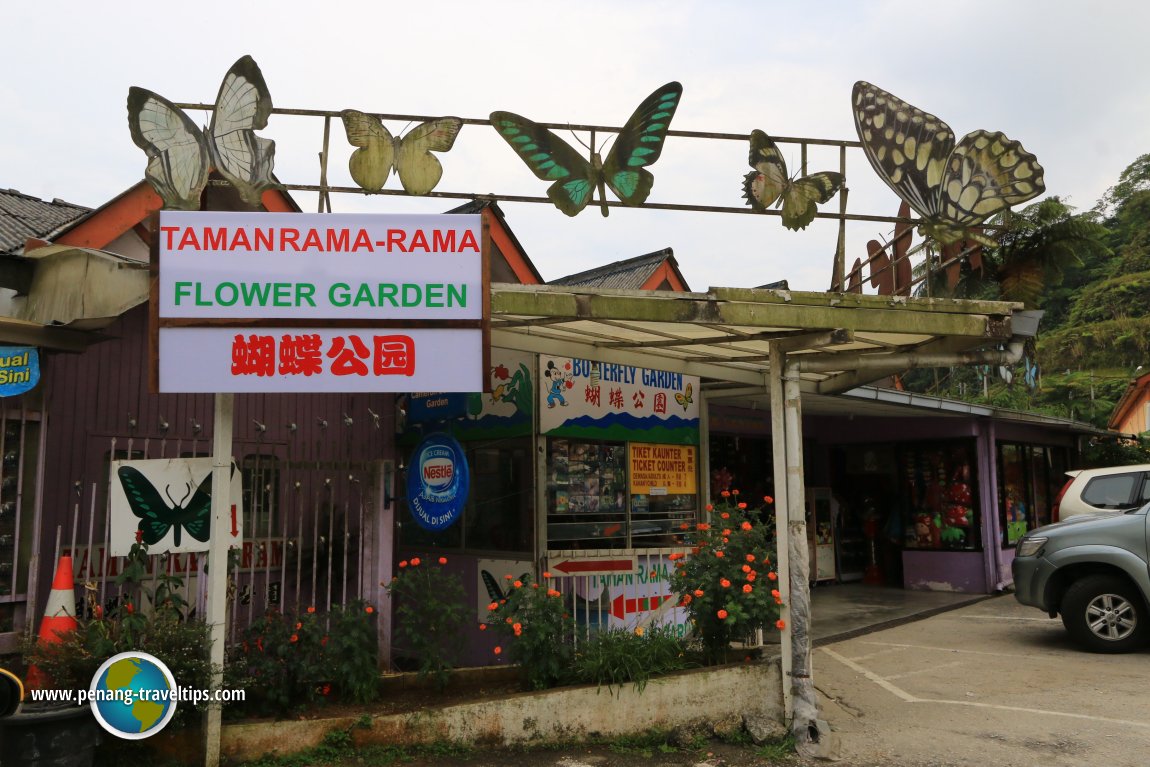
(22, 217)
(630, 274)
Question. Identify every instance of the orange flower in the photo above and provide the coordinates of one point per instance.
(443, 560)
(508, 577)
(768, 499)
(546, 574)
(698, 592)
(719, 554)
(735, 492)
(726, 540)
(725, 515)
(726, 493)
(742, 505)
(710, 507)
(415, 561)
(775, 593)
(298, 626)
(722, 614)
(517, 627)
(131, 608)
(553, 593)
(483, 627)
(772, 575)
(294, 638)
(745, 526)
(746, 568)
(497, 650)
(724, 583)
(673, 557)
(702, 526)
(403, 564)
(751, 576)
(780, 624)
(727, 531)
(747, 588)
(510, 620)
(750, 557)
(686, 600)
(684, 526)
(311, 609)
(518, 584)
(493, 606)
(369, 609)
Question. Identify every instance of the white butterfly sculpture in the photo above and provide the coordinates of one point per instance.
(181, 155)
(410, 156)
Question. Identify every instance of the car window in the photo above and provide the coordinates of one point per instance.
(1144, 496)
(1112, 492)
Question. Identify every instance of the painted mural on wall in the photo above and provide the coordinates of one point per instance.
(581, 398)
(506, 411)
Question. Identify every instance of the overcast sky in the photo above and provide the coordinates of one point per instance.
(1065, 79)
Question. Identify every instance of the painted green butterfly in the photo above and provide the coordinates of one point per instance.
(158, 516)
(684, 398)
(768, 184)
(954, 187)
(639, 144)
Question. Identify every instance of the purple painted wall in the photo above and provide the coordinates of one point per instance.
(944, 571)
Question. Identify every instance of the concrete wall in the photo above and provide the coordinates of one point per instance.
(690, 697)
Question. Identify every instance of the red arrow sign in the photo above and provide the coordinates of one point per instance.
(235, 530)
(594, 566)
(622, 606)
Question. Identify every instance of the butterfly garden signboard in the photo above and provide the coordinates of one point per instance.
(304, 303)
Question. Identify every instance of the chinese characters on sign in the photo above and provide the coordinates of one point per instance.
(293, 355)
(336, 303)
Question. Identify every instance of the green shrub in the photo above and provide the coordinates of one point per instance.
(430, 613)
(539, 632)
(615, 657)
(727, 582)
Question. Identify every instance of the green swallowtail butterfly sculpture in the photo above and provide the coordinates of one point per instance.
(638, 145)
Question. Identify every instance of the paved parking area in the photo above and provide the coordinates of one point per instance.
(993, 683)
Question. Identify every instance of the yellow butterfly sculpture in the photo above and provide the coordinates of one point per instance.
(410, 156)
(768, 184)
(954, 187)
(181, 156)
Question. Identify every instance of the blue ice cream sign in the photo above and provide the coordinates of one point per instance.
(437, 482)
(19, 370)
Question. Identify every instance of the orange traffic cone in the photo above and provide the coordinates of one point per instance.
(59, 617)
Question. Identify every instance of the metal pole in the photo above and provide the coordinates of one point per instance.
(218, 567)
(782, 532)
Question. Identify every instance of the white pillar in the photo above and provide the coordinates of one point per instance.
(782, 530)
(218, 564)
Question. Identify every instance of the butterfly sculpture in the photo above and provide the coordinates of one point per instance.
(768, 184)
(410, 156)
(158, 516)
(954, 187)
(180, 155)
(639, 144)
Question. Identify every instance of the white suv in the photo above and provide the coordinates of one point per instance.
(1115, 488)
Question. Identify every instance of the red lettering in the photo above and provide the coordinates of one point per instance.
(438, 472)
(189, 240)
(419, 240)
(240, 241)
(216, 239)
(396, 238)
(312, 240)
(363, 241)
(469, 242)
(443, 240)
(265, 239)
(338, 239)
(170, 232)
(289, 237)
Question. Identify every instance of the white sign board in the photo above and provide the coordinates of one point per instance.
(336, 302)
(167, 503)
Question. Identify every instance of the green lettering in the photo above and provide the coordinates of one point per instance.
(283, 294)
(435, 295)
(256, 292)
(337, 294)
(303, 293)
(363, 295)
(412, 294)
(387, 292)
(227, 294)
(456, 295)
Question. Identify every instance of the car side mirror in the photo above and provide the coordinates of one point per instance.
(11, 693)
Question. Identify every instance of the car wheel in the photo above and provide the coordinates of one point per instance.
(1105, 614)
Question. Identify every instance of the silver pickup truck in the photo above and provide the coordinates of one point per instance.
(1094, 571)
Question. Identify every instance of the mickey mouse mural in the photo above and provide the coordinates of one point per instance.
(556, 381)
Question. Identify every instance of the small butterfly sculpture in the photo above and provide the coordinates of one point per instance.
(181, 155)
(639, 144)
(954, 187)
(684, 397)
(768, 184)
(411, 156)
(158, 516)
